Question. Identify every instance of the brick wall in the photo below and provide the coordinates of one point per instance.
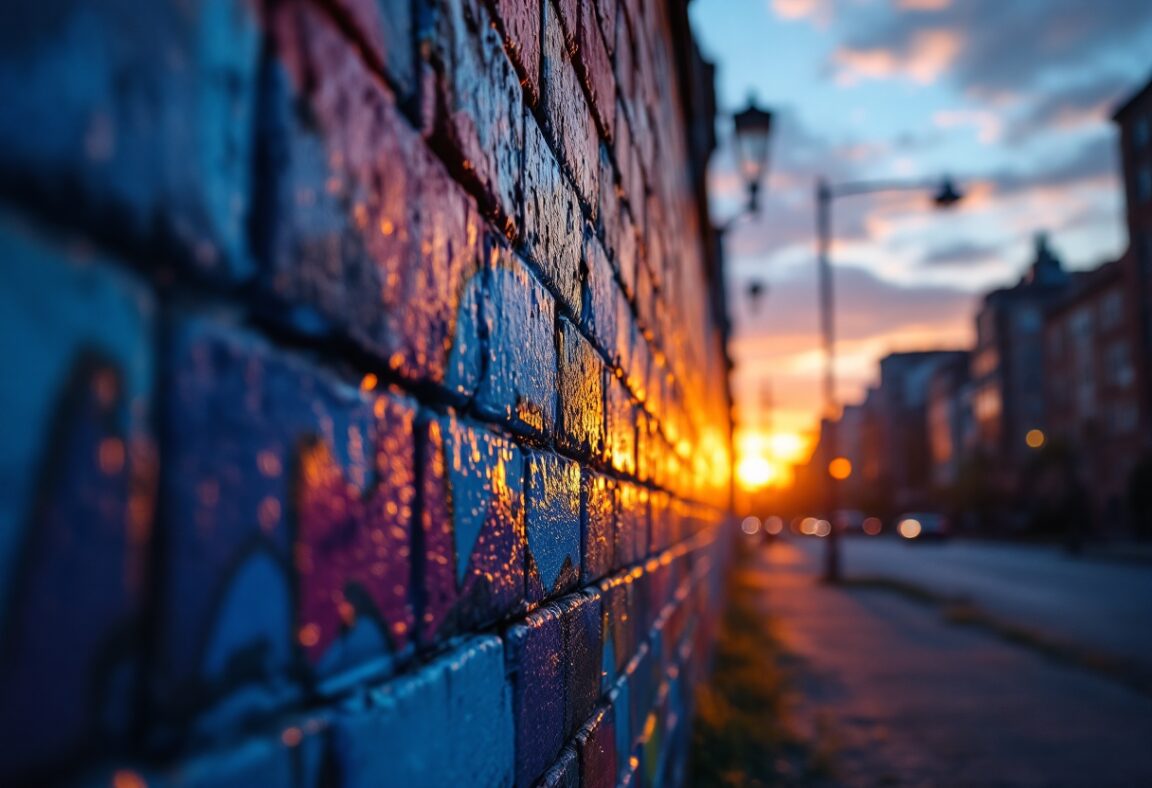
(365, 412)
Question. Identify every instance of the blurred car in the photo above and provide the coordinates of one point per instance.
(922, 525)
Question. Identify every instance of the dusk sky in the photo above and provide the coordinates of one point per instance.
(1012, 99)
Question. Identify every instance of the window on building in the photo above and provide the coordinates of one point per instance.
(1111, 309)
(1142, 133)
(1120, 372)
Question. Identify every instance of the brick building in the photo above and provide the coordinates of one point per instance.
(367, 417)
(1134, 122)
(1091, 394)
(1007, 365)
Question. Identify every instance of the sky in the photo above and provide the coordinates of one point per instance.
(1011, 98)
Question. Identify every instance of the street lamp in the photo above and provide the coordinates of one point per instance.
(944, 195)
(753, 131)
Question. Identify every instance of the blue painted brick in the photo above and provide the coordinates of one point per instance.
(538, 675)
(77, 473)
(519, 316)
(553, 224)
(136, 118)
(290, 504)
(473, 527)
(449, 724)
(553, 525)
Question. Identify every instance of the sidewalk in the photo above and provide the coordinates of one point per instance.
(908, 699)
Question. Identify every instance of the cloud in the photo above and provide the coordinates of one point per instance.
(987, 124)
(992, 48)
(819, 11)
(962, 253)
(1070, 106)
(1095, 159)
(926, 55)
(867, 306)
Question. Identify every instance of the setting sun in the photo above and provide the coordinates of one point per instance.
(766, 460)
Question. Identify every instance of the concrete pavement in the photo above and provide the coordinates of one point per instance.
(908, 699)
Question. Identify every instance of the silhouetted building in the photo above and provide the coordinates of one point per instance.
(1093, 402)
(902, 400)
(950, 425)
(1007, 365)
(1134, 120)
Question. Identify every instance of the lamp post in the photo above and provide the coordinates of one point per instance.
(945, 195)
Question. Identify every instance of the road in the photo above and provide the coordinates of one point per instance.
(1104, 606)
(906, 699)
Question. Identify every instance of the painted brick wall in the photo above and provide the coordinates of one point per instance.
(365, 416)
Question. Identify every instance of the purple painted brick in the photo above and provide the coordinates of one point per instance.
(570, 124)
(553, 525)
(289, 528)
(600, 294)
(553, 224)
(78, 472)
(581, 392)
(599, 526)
(364, 234)
(520, 20)
(537, 674)
(519, 383)
(478, 105)
(473, 526)
(385, 27)
(582, 650)
(596, 747)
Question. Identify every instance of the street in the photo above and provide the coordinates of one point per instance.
(904, 697)
(1101, 606)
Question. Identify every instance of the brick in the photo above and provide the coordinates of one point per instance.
(289, 530)
(600, 293)
(569, 122)
(582, 650)
(631, 523)
(386, 29)
(565, 773)
(364, 235)
(78, 471)
(450, 723)
(596, 748)
(520, 379)
(593, 63)
(520, 20)
(553, 525)
(620, 416)
(537, 678)
(478, 105)
(599, 526)
(606, 17)
(473, 527)
(581, 392)
(552, 220)
(135, 118)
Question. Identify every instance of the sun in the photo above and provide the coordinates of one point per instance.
(765, 460)
(756, 471)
